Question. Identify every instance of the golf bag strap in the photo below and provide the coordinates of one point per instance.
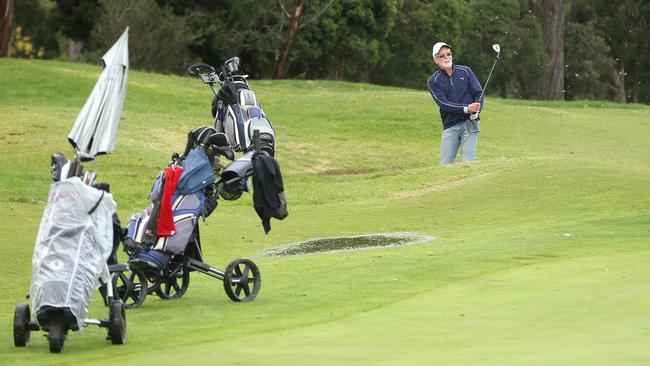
(96, 204)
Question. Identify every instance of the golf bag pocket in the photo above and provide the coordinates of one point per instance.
(156, 188)
(247, 97)
(176, 243)
(137, 226)
(239, 124)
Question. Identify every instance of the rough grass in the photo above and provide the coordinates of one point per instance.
(541, 246)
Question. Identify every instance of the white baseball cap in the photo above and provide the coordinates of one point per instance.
(437, 47)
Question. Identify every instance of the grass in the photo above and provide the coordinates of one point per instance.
(541, 246)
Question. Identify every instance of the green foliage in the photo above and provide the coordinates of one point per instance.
(381, 41)
(522, 56)
(76, 18)
(33, 36)
(589, 69)
(254, 32)
(624, 25)
(527, 59)
(419, 26)
(157, 38)
(361, 28)
(311, 55)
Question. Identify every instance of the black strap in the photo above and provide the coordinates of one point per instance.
(96, 204)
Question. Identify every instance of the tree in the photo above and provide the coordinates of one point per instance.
(551, 15)
(6, 26)
(589, 69)
(624, 25)
(522, 60)
(418, 26)
(157, 37)
(527, 57)
(37, 36)
(292, 32)
(76, 19)
(207, 25)
(362, 27)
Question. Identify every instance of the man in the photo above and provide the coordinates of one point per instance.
(456, 90)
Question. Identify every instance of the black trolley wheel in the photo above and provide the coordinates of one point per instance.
(242, 280)
(151, 273)
(117, 320)
(21, 325)
(56, 335)
(169, 287)
(131, 286)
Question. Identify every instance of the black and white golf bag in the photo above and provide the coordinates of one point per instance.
(238, 113)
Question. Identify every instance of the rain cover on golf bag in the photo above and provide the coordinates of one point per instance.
(238, 114)
(75, 238)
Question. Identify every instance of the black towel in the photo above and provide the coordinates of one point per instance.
(268, 190)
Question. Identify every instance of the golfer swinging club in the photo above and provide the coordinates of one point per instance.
(457, 92)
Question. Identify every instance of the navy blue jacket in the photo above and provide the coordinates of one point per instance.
(453, 93)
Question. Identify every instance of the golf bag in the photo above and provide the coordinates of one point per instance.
(186, 211)
(185, 198)
(237, 112)
(75, 239)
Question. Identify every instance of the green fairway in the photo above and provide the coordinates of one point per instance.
(539, 252)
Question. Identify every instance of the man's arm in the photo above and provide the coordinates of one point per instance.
(439, 97)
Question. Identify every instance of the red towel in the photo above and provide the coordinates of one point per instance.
(166, 226)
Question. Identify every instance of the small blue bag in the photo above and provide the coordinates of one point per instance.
(197, 172)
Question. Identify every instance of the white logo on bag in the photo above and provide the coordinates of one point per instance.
(57, 265)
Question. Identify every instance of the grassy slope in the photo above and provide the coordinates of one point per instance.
(541, 247)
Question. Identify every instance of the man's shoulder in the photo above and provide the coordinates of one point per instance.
(434, 76)
(464, 68)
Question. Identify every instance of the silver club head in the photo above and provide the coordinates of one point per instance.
(496, 48)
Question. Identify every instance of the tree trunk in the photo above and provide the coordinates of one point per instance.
(340, 65)
(292, 32)
(6, 26)
(74, 49)
(619, 83)
(551, 15)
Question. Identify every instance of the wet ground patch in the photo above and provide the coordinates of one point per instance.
(345, 243)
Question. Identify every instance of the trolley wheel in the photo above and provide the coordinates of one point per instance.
(21, 325)
(170, 288)
(242, 280)
(56, 335)
(152, 274)
(131, 287)
(117, 319)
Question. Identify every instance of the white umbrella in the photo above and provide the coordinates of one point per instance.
(95, 128)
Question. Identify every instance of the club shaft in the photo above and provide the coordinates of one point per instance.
(488, 78)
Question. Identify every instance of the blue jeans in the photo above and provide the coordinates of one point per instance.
(463, 135)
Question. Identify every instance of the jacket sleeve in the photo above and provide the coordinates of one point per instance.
(475, 89)
(441, 99)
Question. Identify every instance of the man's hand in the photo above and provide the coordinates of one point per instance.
(474, 107)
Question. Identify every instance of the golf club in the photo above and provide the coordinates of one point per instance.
(496, 49)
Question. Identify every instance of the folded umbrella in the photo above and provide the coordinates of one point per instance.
(95, 128)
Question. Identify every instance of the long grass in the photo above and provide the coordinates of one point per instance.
(540, 252)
